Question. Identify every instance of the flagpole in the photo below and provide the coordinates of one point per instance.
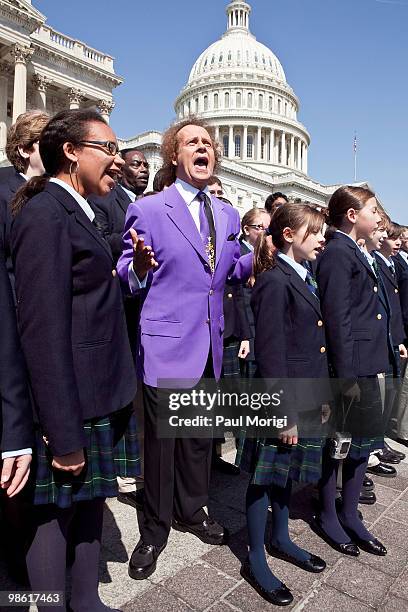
(355, 157)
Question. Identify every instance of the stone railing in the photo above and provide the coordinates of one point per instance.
(73, 47)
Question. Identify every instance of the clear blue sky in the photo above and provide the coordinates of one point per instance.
(345, 59)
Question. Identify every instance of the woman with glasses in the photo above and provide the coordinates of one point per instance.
(73, 334)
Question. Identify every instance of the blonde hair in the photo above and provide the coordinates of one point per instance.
(23, 134)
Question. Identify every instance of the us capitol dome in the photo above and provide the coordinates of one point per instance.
(239, 86)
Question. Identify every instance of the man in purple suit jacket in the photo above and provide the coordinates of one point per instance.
(182, 273)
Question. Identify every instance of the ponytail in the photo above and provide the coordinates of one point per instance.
(26, 192)
(264, 256)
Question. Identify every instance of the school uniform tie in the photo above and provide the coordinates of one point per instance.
(207, 227)
(312, 284)
(392, 268)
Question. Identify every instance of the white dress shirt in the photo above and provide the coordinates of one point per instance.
(81, 201)
(301, 270)
(131, 195)
(389, 263)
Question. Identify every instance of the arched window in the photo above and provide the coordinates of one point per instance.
(249, 100)
(216, 101)
(239, 99)
(205, 103)
(227, 100)
(220, 59)
(279, 107)
(250, 146)
(237, 145)
(213, 59)
(286, 108)
(196, 105)
(270, 103)
(225, 142)
(229, 56)
(260, 101)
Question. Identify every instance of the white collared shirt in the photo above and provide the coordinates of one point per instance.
(81, 201)
(189, 195)
(389, 263)
(301, 270)
(131, 195)
(248, 245)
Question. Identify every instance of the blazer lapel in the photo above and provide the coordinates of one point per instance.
(385, 270)
(69, 203)
(364, 261)
(220, 222)
(123, 198)
(178, 212)
(300, 285)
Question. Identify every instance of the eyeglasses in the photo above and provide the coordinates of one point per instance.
(259, 227)
(137, 163)
(108, 145)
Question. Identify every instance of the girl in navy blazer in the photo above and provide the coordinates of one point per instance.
(289, 343)
(73, 335)
(356, 315)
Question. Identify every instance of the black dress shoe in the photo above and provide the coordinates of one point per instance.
(387, 456)
(278, 597)
(368, 484)
(348, 548)
(208, 531)
(224, 467)
(372, 546)
(367, 497)
(382, 469)
(395, 451)
(133, 498)
(142, 563)
(402, 441)
(314, 564)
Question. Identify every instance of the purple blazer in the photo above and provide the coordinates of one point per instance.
(183, 303)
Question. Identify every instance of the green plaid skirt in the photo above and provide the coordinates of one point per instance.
(362, 447)
(112, 450)
(274, 464)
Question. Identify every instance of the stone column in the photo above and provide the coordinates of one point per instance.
(305, 159)
(105, 108)
(245, 143)
(21, 54)
(292, 151)
(217, 133)
(259, 144)
(75, 98)
(5, 70)
(231, 144)
(272, 146)
(41, 83)
(299, 154)
(284, 160)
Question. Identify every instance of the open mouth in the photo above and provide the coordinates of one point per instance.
(201, 163)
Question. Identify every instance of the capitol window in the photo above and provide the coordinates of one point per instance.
(238, 146)
(260, 102)
(227, 100)
(249, 100)
(205, 103)
(216, 101)
(225, 141)
(250, 146)
(239, 100)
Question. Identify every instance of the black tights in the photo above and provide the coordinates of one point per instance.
(79, 528)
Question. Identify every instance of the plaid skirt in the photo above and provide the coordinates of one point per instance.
(112, 450)
(274, 464)
(230, 360)
(362, 447)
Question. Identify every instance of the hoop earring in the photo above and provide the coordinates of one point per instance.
(71, 172)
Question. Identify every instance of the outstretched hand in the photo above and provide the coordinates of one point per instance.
(143, 256)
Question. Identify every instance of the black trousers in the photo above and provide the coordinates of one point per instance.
(176, 475)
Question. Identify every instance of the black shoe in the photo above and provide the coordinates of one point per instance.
(387, 456)
(367, 497)
(208, 531)
(223, 466)
(349, 548)
(371, 546)
(314, 564)
(395, 451)
(133, 498)
(368, 484)
(278, 597)
(142, 563)
(402, 441)
(382, 469)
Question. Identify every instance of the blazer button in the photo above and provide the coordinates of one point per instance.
(114, 273)
(379, 317)
(229, 295)
(375, 289)
(323, 349)
(208, 321)
(395, 290)
(211, 292)
(320, 323)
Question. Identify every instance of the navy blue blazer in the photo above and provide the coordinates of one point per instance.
(71, 318)
(401, 269)
(289, 335)
(8, 189)
(391, 286)
(110, 214)
(247, 293)
(16, 422)
(356, 319)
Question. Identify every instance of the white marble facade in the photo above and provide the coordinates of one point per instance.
(43, 68)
